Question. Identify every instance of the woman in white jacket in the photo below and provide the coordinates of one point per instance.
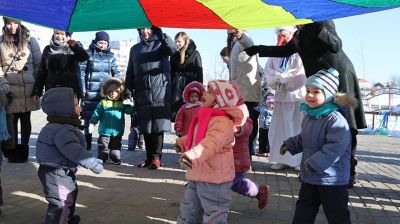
(287, 77)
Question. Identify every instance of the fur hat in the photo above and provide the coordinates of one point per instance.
(9, 20)
(105, 86)
(101, 35)
(327, 81)
(226, 92)
(288, 28)
(193, 87)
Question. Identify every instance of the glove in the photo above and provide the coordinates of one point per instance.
(91, 128)
(255, 49)
(185, 163)
(177, 148)
(158, 32)
(283, 149)
(283, 80)
(128, 102)
(178, 133)
(97, 167)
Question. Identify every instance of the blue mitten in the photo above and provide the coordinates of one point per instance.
(97, 166)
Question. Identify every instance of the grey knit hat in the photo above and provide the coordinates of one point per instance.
(327, 81)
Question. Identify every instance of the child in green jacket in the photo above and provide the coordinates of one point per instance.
(110, 112)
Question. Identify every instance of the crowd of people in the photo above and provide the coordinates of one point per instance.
(304, 106)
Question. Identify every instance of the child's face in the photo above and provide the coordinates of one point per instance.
(113, 93)
(77, 107)
(270, 105)
(193, 98)
(208, 99)
(315, 97)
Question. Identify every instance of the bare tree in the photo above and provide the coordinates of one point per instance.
(394, 80)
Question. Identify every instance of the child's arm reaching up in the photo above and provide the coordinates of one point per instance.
(218, 135)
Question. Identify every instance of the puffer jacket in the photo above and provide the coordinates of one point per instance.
(212, 159)
(243, 70)
(21, 74)
(101, 66)
(241, 152)
(326, 147)
(62, 145)
(148, 78)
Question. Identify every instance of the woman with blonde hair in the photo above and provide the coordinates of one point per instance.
(186, 67)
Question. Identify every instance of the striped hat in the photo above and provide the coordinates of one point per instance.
(327, 81)
(226, 92)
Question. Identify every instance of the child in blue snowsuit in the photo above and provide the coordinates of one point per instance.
(325, 141)
(60, 149)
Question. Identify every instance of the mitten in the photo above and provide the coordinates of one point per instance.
(255, 49)
(91, 128)
(177, 148)
(283, 149)
(283, 80)
(97, 166)
(128, 102)
(185, 163)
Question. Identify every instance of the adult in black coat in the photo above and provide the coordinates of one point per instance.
(186, 67)
(148, 79)
(320, 47)
(59, 66)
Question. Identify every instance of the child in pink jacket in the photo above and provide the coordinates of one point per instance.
(208, 156)
(191, 95)
(241, 155)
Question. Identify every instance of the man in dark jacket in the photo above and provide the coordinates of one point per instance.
(148, 78)
(59, 66)
(320, 47)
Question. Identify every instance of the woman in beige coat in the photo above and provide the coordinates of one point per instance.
(19, 57)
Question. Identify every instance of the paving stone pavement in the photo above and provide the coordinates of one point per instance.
(127, 194)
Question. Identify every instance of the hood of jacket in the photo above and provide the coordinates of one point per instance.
(59, 102)
(191, 47)
(112, 81)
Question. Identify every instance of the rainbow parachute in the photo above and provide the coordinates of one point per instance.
(89, 15)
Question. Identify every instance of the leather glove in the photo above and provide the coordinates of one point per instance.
(97, 166)
(253, 50)
(91, 128)
(283, 149)
(158, 32)
(185, 163)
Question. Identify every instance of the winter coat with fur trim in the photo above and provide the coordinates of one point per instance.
(101, 66)
(212, 159)
(21, 74)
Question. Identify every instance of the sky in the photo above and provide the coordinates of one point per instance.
(362, 36)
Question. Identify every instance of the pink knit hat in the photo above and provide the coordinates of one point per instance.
(226, 92)
(270, 99)
(193, 87)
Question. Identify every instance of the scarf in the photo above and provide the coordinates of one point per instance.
(320, 111)
(59, 48)
(284, 64)
(3, 125)
(66, 120)
(202, 120)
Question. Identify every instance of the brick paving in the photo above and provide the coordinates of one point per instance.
(127, 194)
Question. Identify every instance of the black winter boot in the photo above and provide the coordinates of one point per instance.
(20, 154)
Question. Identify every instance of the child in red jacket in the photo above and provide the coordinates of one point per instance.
(241, 155)
(191, 96)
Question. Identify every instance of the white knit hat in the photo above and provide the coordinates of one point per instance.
(288, 28)
(226, 92)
